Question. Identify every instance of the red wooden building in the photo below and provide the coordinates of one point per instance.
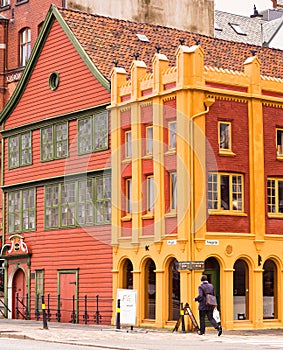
(56, 182)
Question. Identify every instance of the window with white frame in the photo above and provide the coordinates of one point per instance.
(20, 150)
(149, 140)
(172, 135)
(173, 191)
(225, 192)
(54, 142)
(279, 142)
(25, 46)
(128, 196)
(224, 136)
(275, 196)
(4, 3)
(150, 194)
(21, 211)
(128, 144)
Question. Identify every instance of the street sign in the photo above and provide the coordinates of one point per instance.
(191, 265)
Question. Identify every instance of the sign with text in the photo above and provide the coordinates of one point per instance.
(191, 265)
(128, 306)
(212, 242)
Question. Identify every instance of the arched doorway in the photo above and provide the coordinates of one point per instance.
(212, 270)
(173, 291)
(19, 292)
(127, 271)
(269, 290)
(149, 290)
(241, 290)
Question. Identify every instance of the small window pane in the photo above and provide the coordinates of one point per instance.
(128, 136)
(172, 135)
(149, 139)
(224, 136)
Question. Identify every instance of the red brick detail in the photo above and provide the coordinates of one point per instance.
(237, 114)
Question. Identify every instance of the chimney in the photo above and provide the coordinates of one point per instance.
(274, 2)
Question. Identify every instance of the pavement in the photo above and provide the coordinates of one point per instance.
(108, 337)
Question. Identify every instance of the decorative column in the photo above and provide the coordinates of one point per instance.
(227, 299)
(256, 152)
(257, 299)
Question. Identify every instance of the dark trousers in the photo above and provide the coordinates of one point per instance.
(209, 314)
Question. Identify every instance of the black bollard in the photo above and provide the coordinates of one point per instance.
(182, 314)
(118, 324)
(44, 314)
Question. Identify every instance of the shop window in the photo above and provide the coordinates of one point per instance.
(241, 290)
(275, 197)
(25, 46)
(174, 291)
(150, 290)
(225, 192)
(269, 290)
(127, 274)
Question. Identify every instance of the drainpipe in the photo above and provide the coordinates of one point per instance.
(207, 102)
(4, 24)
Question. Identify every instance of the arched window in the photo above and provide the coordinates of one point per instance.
(241, 290)
(127, 274)
(269, 281)
(25, 45)
(173, 291)
(150, 290)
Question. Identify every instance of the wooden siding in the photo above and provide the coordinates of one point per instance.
(44, 170)
(78, 89)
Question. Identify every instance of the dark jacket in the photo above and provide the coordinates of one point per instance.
(209, 289)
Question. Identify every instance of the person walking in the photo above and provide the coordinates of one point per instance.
(206, 288)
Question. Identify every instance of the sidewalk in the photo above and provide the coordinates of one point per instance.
(124, 339)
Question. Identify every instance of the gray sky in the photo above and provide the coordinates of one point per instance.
(242, 7)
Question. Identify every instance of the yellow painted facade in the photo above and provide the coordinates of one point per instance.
(195, 88)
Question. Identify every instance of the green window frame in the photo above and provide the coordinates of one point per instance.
(77, 203)
(20, 150)
(93, 133)
(54, 142)
(39, 289)
(22, 210)
(225, 192)
(275, 196)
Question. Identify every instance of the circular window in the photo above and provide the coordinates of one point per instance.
(54, 80)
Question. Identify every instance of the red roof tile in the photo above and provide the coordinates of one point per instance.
(107, 40)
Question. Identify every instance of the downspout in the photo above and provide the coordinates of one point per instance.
(4, 22)
(207, 102)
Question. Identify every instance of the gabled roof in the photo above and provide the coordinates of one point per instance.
(104, 42)
(109, 41)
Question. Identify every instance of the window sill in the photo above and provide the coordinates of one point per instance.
(226, 153)
(126, 160)
(226, 212)
(275, 216)
(147, 156)
(147, 216)
(21, 2)
(128, 217)
(170, 152)
(280, 157)
(4, 8)
(171, 214)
